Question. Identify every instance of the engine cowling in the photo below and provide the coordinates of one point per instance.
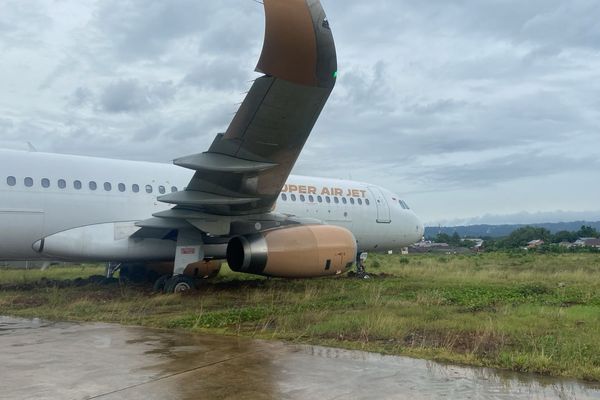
(305, 251)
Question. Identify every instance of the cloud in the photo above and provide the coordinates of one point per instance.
(131, 96)
(218, 74)
(146, 29)
(81, 97)
(23, 24)
(502, 169)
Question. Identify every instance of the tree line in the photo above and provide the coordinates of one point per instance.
(521, 237)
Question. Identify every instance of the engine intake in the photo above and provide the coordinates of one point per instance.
(305, 251)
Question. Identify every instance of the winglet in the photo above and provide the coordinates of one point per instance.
(298, 44)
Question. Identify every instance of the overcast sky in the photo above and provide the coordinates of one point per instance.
(465, 107)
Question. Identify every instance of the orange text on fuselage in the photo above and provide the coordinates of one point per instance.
(325, 191)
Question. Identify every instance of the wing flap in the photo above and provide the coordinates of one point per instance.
(197, 198)
(221, 163)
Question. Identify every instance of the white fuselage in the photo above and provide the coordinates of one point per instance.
(45, 194)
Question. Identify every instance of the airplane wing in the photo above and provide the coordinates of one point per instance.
(245, 168)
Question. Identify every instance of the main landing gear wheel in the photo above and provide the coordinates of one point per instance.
(161, 283)
(361, 271)
(180, 284)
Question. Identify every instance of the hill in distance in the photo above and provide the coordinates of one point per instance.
(485, 230)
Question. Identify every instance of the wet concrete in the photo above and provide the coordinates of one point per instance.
(41, 360)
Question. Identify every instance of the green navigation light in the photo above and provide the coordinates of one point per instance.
(335, 74)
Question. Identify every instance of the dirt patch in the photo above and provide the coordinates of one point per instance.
(27, 302)
(61, 284)
(382, 275)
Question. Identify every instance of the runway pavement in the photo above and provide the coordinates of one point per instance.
(42, 360)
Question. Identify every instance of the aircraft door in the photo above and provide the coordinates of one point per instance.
(383, 209)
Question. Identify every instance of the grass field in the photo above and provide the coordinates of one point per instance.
(531, 313)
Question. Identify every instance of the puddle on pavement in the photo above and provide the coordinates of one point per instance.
(102, 361)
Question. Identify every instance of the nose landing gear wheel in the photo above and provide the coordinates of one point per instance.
(180, 284)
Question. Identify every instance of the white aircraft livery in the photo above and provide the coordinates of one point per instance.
(235, 202)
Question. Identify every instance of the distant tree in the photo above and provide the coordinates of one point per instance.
(564, 236)
(453, 240)
(442, 238)
(587, 231)
(522, 236)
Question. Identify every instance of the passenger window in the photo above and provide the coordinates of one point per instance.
(336, 200)
(360, 202)
(367, 202)
(77, 185)
(28, 182)
(352, 200)
(344, 200)
(162, 190)
(135, 188)
(302, 198)
(311, 198)
(46, 183)
(11, 181)
(149, 189)
(328, 200)
(319, 199)
(62, 184)
(122, 187)
(283, 197)
(173, 189)
(107, 186)
(93, 185)
(293, 197)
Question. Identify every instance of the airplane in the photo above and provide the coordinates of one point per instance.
(236, 202)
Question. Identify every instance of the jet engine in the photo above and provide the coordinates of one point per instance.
(305, 251)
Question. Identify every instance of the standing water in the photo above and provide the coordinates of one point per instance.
(43, 360)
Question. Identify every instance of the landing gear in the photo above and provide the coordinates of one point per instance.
(179, 284)
(161, 283)
(361, 272)
(110, 269)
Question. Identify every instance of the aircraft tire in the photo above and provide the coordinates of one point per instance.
(161, 283)
(180, 284)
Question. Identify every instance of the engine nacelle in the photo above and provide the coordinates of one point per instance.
(305, 251)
